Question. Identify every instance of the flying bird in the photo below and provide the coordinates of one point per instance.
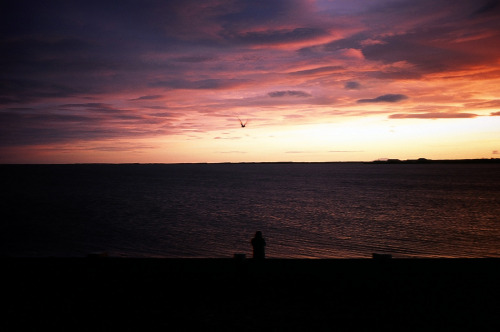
(243, 124)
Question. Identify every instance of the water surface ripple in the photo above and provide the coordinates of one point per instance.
(330, 210)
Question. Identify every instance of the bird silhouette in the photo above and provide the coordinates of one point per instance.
(243, 124)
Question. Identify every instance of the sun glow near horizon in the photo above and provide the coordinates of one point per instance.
(353, 139)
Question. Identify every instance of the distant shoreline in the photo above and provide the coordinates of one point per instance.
(437, 161)
(382, 161)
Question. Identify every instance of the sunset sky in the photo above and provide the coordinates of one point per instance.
(165, 81)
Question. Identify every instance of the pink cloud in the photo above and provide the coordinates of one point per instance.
(351, 53)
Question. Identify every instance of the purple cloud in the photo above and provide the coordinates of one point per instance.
(388, 98)
(352, 85)
(206, 84)
(289, 93)
(149, 97)
(281, 36)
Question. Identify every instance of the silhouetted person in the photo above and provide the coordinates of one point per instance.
(258, 244)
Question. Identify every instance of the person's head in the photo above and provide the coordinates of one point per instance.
(258, 234)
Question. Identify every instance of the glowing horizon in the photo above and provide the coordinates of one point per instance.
(165, 82)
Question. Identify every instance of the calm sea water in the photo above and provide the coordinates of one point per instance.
(337, 210)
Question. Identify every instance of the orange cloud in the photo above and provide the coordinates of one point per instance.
(433, 116)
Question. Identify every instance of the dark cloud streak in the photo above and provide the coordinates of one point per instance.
(87, 122)
(388, 98)
(207, 84)
(275, 36)
(352, 85)
(289, 93)
(149, 97)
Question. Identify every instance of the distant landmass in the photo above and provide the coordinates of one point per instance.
(384, 161)
(437, 161)
(378, 161)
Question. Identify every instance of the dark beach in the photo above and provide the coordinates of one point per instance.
(101, 294)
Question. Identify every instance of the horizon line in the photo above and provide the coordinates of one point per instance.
(377, 161)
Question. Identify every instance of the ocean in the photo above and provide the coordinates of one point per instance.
(304, 210)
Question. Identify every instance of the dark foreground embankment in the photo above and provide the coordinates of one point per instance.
(108, 294)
